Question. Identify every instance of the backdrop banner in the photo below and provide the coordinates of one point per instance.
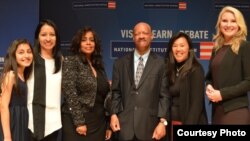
(114, 20)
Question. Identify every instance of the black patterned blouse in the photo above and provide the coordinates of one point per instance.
(79, 87)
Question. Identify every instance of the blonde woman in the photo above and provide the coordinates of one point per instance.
(228, 77)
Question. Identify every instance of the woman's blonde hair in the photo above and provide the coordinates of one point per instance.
(238, 37)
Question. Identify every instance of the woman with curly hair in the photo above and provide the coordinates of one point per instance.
(85, 87)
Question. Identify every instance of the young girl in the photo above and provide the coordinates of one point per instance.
(14, 112)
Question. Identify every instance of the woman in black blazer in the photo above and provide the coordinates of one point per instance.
(85, 88)
(228, 77)
(186, 82)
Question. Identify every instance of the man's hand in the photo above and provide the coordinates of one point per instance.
(159, 132)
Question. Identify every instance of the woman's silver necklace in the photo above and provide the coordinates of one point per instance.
(178, 70)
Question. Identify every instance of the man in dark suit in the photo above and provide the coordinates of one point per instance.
(140, 103)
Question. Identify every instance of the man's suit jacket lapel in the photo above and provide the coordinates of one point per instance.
(130, 68)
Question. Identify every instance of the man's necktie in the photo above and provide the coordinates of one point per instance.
(139, 71)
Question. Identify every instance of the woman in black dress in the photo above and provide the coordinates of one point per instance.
(14, 112)
(186, 82)
(228, 76)
(85, 88)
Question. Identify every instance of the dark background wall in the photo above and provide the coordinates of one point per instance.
(18, 19)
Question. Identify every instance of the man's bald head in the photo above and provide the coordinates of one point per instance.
(142, 37)
(142, 24)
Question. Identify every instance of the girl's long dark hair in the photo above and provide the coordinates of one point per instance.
(10, 63)
(57, 55)
(170, 60)
(96, 57)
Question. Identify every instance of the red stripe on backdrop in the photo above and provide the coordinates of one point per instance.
(111, 4)
(206, 50)
(182, 5)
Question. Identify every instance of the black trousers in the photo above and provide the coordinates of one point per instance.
(51, 137)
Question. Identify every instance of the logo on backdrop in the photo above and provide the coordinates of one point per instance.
(120, 48)
(94, 4)
(166, 5)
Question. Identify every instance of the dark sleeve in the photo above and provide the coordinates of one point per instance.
(107, 106)
(116, 102)
(69, 79)
(244, 86)
(208, 78)
(196, 96)
(107, 103)
(164, 102)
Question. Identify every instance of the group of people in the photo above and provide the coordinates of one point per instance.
(45, 94)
